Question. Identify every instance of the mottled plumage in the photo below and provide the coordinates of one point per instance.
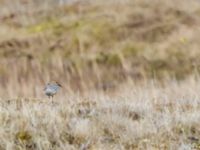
(51, 89)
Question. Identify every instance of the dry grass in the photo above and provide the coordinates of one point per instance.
(76, 43)
(130, 74)
(152, 116)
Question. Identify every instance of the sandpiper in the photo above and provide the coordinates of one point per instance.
(51, 89)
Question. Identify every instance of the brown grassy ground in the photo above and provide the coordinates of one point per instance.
(129, 70)
(78, 42)
(149, 116)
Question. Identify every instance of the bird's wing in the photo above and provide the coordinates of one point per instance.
(55, 87)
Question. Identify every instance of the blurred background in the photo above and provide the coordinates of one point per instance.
(96, 44)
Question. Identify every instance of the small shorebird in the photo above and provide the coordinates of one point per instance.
(51, 89)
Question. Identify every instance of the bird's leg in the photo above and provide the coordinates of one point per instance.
(52, 99)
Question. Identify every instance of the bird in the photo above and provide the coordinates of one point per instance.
(51, 89)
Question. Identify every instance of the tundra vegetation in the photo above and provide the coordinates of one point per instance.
(129, 71)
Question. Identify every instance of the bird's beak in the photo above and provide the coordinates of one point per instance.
(59, 85)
